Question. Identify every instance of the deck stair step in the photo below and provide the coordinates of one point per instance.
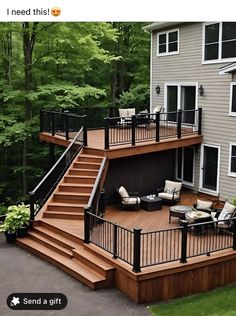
(89, 158)
(34, 235)
(65, 207)
(75, 268)
(79, 179)
(74, 187)
(86, 165)
(56, 237)
(63, 215)
(71, 197)
(93, 261)
(83, 172)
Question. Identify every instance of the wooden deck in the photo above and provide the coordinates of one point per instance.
(96, 143)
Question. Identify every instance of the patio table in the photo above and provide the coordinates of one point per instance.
(179, 211)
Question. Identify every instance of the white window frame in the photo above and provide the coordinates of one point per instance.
(220, 59)
(204, 190)
(233, 83)
(230, 173)
(167, 53)
(189, 184)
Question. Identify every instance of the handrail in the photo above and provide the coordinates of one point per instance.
(45, 187)
(58, 161)
(98, 178)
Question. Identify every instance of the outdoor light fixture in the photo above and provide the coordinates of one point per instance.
(158, 89)
(201, 90)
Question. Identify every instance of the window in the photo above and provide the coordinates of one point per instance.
(233, 98)
(232, 162)
(168, 43)
(220, 41)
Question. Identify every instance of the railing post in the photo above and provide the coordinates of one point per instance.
(86, 225)
(31, 194)
(137, 249)
(157, 126)
(114, 241)
(234, 234)
(67, 125)
(53, 123)
(179, 120)
(106, 133)
(199, 121)
(85, 131)
(102, 204)
(133, 129)
(184, 241)
(41, 121)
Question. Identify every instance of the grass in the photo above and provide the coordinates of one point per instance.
(220, 302)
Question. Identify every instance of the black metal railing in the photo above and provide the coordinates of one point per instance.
(144, 249)
(47, 185)
(60, 123)
(147, 126)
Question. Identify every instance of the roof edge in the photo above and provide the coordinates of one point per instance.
(158, 25)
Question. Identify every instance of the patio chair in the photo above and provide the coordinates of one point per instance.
(157, 108)
(126, 116)
(129, 200)
(170, 194)
(223, 216)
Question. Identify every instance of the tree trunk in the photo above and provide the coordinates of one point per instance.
(28, 46)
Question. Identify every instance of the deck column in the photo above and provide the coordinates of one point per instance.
(199, 121)
(106, 133)
(137, 249)
(51, 155)
(179, 120)
(234, 234)
(114, 241)
(53, 123)
(67, 124)
(133, 129)
(184, 241)
(157, 127)
(31, 195)
(85, 131)
(86, 225)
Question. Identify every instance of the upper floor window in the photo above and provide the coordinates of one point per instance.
(220, 41)
(232, 161)
(168, 43)
(233, 98)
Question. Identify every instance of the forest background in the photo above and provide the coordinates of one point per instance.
(61, 66)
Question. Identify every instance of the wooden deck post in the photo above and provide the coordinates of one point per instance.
(234, 234)
(114, 241)
(106, 133)
(157, 127)
(133, 129)
(184, 241)
(85, 131)
(137, 249)
(86, 225)
(199, 121)
(31, 195)
(179, 120)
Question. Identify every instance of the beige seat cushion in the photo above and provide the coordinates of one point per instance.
(131, 200)
(131, 112)
(123, 112)
(123, 193)
(168, 196)
(170, 186)
(158, 108)
(203, 205)
(227, 211)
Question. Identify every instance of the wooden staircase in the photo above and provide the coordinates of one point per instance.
(54, 236)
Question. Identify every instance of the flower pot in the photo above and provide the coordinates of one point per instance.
(22, 232)
(10, 237)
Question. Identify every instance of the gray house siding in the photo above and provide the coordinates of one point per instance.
(218, 127)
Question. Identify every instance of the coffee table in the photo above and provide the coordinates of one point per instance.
(179, 211)
(150, 204)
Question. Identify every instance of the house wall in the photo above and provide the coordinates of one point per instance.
(143, 174)
(218, 127)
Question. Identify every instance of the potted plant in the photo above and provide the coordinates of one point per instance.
(3, 212)
(16, 222)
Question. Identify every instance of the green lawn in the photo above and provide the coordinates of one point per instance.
(220, 302)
